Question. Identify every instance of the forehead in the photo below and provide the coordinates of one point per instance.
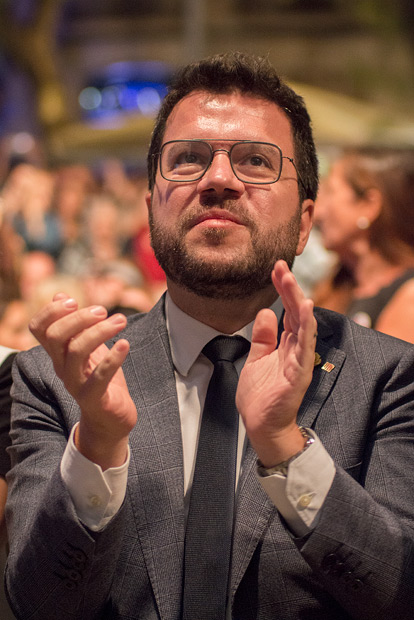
(230, 116)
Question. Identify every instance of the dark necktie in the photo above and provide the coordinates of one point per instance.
(210, 519)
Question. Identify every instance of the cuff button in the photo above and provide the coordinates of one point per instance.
(305, 500)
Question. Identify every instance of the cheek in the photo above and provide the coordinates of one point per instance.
(273, 204)
(338, 215)
(339, 230)
(169, 200)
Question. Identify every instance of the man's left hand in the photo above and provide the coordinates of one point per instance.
(274, 380)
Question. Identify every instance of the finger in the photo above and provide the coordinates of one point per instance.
(307, 335)
(82, 346)
(61, 306)
(95, 387)
(285, 283)
(291, 294)
(56, 337)
(60, 296)
(264, 335)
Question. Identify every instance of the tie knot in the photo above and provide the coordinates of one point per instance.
(227, 348)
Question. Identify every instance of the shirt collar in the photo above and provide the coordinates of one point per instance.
(188, 336)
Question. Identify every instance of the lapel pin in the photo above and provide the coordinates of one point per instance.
(328, 366)
(318, 359)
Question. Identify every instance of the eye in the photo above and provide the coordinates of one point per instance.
(187, 158)
(257, 161)
(254, 155)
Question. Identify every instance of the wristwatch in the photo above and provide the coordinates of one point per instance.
(282, 468)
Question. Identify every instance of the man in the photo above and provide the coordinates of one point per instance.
(104, 458)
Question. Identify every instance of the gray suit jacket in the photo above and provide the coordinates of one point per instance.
(357, 563)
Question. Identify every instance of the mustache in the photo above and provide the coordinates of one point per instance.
(220, 202)
(207, 203)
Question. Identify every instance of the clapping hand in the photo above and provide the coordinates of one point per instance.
(74, 338)
(274, 380)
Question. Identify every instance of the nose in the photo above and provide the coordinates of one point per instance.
(220, 177)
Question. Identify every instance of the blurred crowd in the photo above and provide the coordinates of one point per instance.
(72, 230)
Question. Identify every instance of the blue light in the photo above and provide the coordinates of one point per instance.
(126, 87)
(148, 101)
(110, 98)
(128, 96)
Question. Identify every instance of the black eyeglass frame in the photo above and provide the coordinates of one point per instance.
(213, 151)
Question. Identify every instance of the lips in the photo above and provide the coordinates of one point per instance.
(215, 215)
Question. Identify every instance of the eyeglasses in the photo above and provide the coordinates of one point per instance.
(184, 161)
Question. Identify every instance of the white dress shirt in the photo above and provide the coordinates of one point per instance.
(98, 495)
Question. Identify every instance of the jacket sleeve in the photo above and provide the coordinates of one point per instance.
(362, 548)
(56, 568)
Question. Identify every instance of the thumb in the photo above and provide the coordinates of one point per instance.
(264, 335)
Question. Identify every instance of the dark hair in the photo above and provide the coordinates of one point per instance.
(236, 71)
(391, 172)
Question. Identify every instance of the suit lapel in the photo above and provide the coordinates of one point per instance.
(156, 470)
(324, 376)
(253, 513)
(254, 509)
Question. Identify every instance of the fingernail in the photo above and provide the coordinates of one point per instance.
(117, 319)
(70, 303)
(60, 296)
(98, 310)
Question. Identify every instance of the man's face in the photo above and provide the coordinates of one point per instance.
(220, 237)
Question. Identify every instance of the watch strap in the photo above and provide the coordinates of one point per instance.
(282, 468)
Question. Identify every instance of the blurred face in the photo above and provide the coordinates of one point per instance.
(338, 210)
(35, 268)
(218, 236)
(14, 331)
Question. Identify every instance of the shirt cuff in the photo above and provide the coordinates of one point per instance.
(300, 495)
(97, 495)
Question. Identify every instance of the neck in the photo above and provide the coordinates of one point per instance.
(372, 272)
(224, 315)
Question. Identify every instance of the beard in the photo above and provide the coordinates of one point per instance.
(249, 273)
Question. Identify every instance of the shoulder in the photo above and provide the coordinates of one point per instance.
(342, 332)
(397, 317)
(370, 366)
(35, 364)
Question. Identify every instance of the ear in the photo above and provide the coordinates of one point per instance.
(148, 199)
(306, 221)
(371, 204)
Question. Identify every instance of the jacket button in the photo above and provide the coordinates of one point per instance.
(356, 584)
(347, 577)
(338, 569)
(328, 562)
(69, 584)
(73, 575)
(76, 558)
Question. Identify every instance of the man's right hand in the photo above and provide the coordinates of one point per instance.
(75, 340)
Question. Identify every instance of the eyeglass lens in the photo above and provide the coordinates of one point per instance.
(253, 162)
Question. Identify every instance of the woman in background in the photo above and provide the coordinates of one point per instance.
(365, 212)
